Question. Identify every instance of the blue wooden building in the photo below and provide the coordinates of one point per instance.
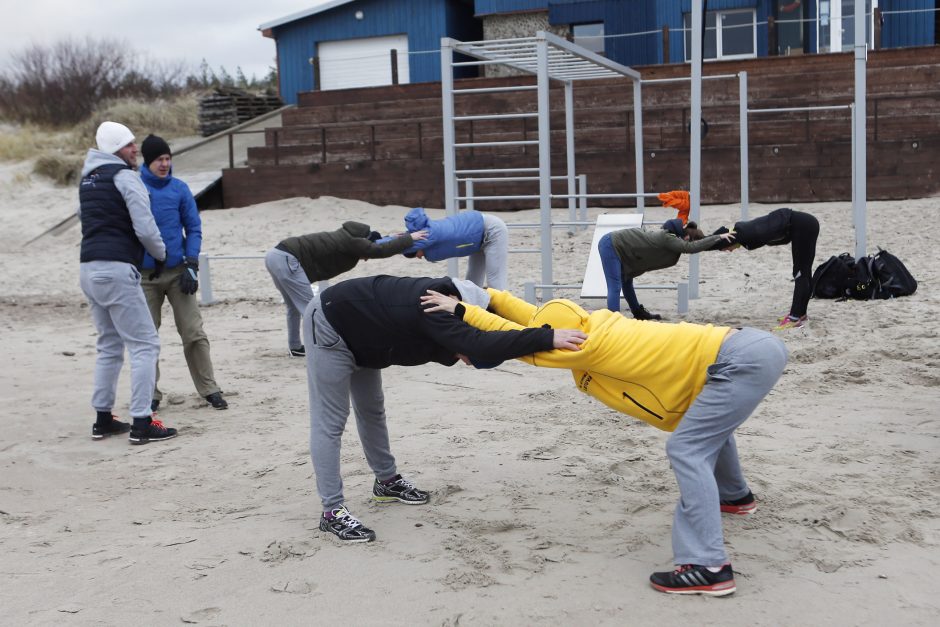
(349, 43)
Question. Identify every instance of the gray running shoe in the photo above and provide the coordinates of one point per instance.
(400, 490)
(345, 526)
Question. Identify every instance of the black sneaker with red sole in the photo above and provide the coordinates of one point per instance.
(694, 579)
(742, 506)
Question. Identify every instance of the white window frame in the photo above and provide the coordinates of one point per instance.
(835, 28)
(718, 45)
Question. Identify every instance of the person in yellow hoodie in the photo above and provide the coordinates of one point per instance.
(699, 382)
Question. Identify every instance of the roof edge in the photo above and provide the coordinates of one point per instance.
(293, 17)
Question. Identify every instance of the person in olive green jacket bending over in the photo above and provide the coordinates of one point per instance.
(296, 262)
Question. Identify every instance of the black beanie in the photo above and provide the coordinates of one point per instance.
(153, 147)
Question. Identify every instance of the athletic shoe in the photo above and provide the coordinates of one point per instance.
(115, 427)
(744, 505)
(345, 526)
(153, 431)
(693, 579)
(642, 313)
(215, 399)
(399, 489)
(789, 322)
(298, 352)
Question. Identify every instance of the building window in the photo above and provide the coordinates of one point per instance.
(589, 36)
(836, 26)
(728, 35)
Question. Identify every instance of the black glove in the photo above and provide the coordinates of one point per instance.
(157, 269)
(188, 282)
(641, 313)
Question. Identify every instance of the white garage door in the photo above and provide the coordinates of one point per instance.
(362, 62)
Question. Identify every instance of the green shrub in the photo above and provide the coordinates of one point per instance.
(61, 168)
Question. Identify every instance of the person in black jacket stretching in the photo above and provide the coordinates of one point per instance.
(296, 262)
(356, 328)
(779, 227)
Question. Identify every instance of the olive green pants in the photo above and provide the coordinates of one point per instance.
(188, 324)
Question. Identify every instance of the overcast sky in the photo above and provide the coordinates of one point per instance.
(223, 32)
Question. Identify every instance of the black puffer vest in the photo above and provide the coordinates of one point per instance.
(107, 230)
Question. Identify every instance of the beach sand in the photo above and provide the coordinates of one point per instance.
(547, 507)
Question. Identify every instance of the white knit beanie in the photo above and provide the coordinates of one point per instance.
(112, 136)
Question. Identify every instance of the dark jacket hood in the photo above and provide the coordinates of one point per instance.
(356, 229)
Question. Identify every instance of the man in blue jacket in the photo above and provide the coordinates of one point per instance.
(116, 228)
(482, 237)
(175, 212)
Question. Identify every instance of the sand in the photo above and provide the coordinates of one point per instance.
(547, 507)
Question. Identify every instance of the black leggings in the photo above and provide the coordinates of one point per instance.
(804, 229)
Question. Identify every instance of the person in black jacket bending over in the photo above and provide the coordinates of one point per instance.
(356, 328)
(779, 227)
(296, 262)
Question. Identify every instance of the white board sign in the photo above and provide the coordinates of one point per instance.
(594, 285)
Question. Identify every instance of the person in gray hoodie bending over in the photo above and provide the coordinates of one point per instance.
(117, 226)
(296, 262)
(628, 253)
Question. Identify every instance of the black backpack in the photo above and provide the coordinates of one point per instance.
(864, 283)
(834, 277)
(893, 276)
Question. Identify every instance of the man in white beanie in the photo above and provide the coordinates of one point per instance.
(117, 227)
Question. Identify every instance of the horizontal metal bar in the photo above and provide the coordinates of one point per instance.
(647, 195)
(635, 286)
(521, 142)
(496, 170)
(234, 257)
(557, 225)
(495, 116)
(492, 61)
(528, 197)
(491, 90)
(495, 179)
(683, 79)
(781, 109)
(525, 250)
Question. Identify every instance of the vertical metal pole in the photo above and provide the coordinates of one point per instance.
(545, 163)
(582, 199)
(569, 152)
(447, 119)
(854, 173)
(638, 143)
(695, 147)
(742, 117)
(468, 192)
(205, 280)
(859, 134)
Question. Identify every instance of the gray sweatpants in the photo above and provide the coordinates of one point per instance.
(702, 451)
(492, 260)
(291, 281)
(332, 379)
(119, 311)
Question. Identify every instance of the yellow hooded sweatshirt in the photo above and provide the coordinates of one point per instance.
(649, 370)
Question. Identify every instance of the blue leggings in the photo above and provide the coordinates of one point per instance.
(614, 277)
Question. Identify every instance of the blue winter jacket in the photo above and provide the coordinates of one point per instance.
(174, 210)
(454, 236)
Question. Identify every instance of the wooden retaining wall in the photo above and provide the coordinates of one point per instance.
(383, 145)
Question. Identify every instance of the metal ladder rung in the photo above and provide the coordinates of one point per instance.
(521, 142)
(493, 90)
(495, 116)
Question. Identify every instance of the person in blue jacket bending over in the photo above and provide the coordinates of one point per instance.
(482, 237)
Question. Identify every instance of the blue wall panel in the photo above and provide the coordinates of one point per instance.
(487, 7)
(908, 29)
